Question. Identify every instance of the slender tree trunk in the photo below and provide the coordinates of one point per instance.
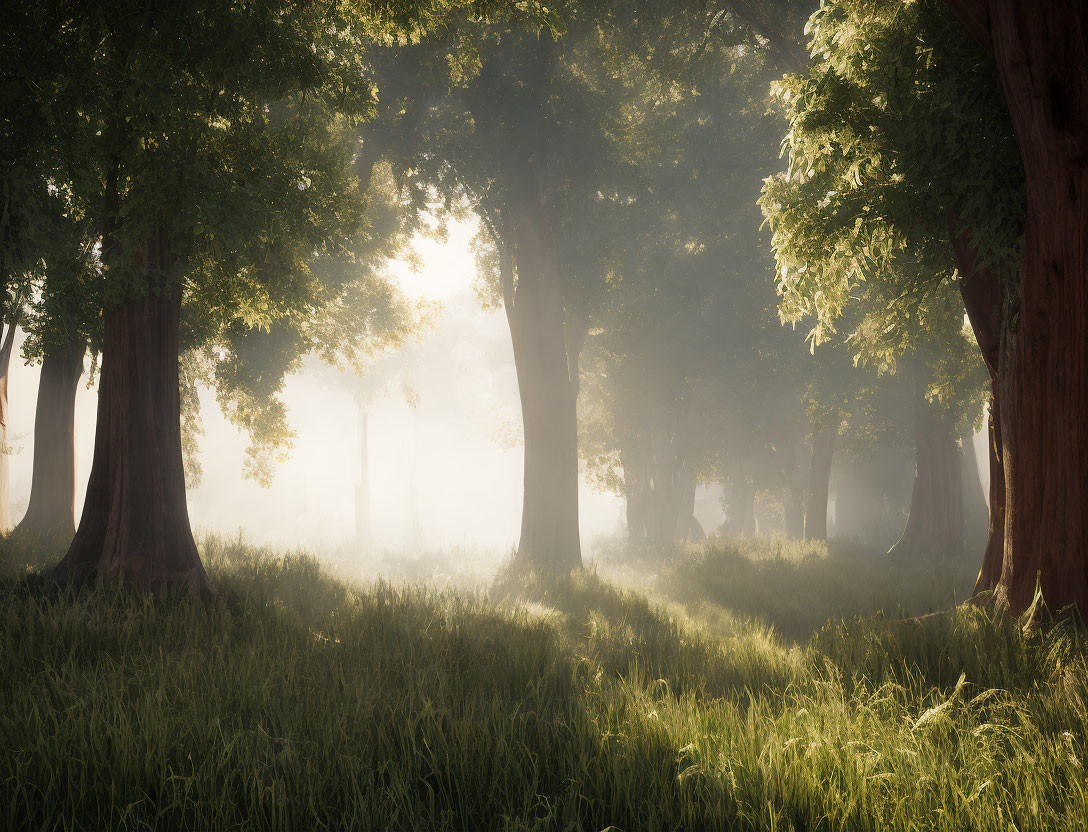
(685, 526)
(819, 482)
(994, 555)
(5, 449)
(534, 308)
(667, 486)
(981, 291)
(135, 523)
(794, 504)
(362, 490)
(1041, 52)
(935, 523)
(51, 511)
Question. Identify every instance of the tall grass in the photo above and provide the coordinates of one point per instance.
(793, 586)
(548, 703)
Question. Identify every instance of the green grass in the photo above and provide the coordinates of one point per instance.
(796, 586)
(569, 703)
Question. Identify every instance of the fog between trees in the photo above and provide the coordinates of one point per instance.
(229, 214)
(503, 415)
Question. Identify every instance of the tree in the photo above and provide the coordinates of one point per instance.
(211, 147)
(520, 134)
(1041, 375)
(686, 375)
(878, 149)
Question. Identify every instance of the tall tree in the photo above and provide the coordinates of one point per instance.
(212, 147)
(879, 153)
(519, 132)
(1041, 375)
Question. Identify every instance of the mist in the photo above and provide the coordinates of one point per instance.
(460, 441)
(523, 416)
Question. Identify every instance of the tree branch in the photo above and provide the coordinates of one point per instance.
(981, 295)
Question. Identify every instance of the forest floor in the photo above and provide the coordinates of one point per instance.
(761, 686)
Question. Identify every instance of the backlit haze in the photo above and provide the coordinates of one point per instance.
(461, 441)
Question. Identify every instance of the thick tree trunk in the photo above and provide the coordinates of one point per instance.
(935, 523)
(5, 449)
(1041, 52)
(362, 490)
(819, 482)
(135, 523)
(51, 511)
(534, 308)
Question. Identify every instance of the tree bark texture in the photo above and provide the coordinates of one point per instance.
(135, 523)
(51, 511)
(534, 309)
(1041, 52)
(819, 481)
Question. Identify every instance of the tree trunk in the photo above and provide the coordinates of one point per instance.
(982, 299)
(5, 448)
(994, 554)
(685, 526)
(1041, 54)
(935, 523)
(135, 523)
(51, 511)
(819, 482)
(362, 489)
(794, 503)
(534, 308)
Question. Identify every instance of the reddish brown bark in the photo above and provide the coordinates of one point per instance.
(981, 291)
(819, 482)
(53, 482)
(1041, 52)
(935, 523)
(135, 523)
(994, 555)
(534, 308)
